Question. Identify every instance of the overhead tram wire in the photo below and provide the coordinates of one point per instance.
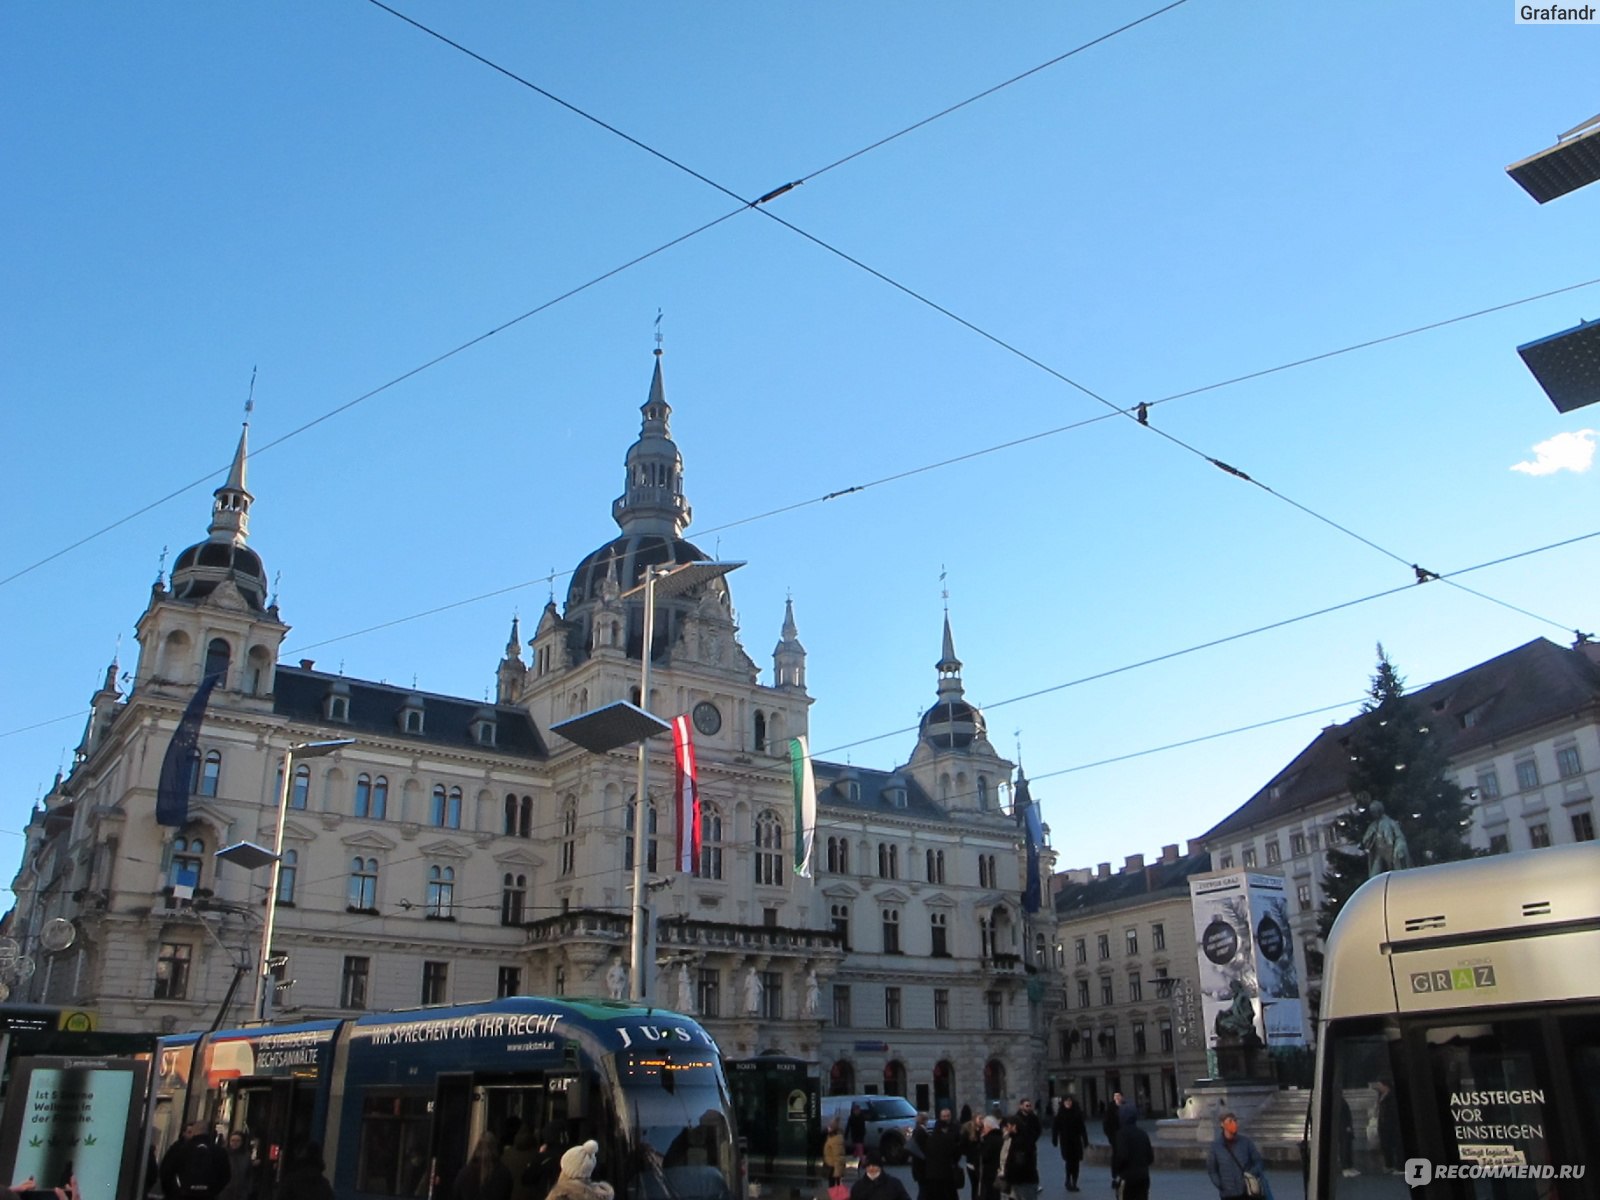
(760, 205)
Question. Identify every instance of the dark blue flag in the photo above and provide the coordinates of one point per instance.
(1027, 814)
(172, 792)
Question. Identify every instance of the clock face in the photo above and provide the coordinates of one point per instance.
(706, 718)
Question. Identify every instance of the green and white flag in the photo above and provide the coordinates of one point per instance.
(805, 805)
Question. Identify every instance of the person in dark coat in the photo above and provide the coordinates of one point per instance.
(1019, 1158)
(305, 1177)
(1109, 1122)
(855, 1130)
(484, 1176)
(876, 1183)
(1132, 1155)
(990, 1144)
(195, 1167)
(1071, 1135)
(1232, 1157)
(941, 1159)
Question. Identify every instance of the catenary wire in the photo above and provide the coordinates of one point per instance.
(760, 204)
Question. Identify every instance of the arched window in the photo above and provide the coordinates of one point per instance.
(183, 876)
(888, 861)
(217, 656)
(441, 892)
(439, 808)
(525, 817)
(288, 872)
(839, 855)
(569, 833)
(650, 843)
(710, 865)
(452, 812)
(301, 796)
(363, 804)
(380, 798)
(363, 895)
(769, 849)
(983, 793)
(761, 731)
(935, 866)
(211, 773)
(513, 898)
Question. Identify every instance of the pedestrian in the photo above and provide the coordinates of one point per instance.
(917, 1149)
(305, 1178)
(1131, 1156)
(1069, 1133)
(875, 1183)
(484, 1176)
(1109, 1120)
(855, 1130)
(1235, 1166)
(833, 1153)
(194, 1167)
(941, 1163)
(574, 1183)
(1019, 1159)
(990, 1144)
(239, 1180)
(1030, 1119)
(519, 1159)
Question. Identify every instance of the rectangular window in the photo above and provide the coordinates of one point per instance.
(1297, 845)
(1158, 936)
(1225, 863)
(435, 982)
(708, 992)
(941, 1008)
(1538, 835)
(772, 995)
(992, 1003)
(891, 1008)
(1138, 1037)
(353, 982)
(393, 1143)
(1135, 987)
(840, 915)
(1083, 993)
(1164, 1032)
(1080, 951)
(1302, 894)
(940, 938)
(1527, 774)
(1133, 941)
(1103, 945)
(1274, 855)
(1583, 827)
(891, 931)
(1105, 990)
(172, 971)
(1489, 784)
(1499, 843)
(1568, 763)
(841, 1006)
(1247, 857)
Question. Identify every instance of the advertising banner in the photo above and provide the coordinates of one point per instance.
(1249, 984)
(67, 1118)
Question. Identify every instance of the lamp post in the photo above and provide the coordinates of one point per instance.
(1180, 994)
(250, 856)
(659, 584)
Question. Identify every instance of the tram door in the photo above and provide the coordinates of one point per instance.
(465, 1107)
(452, 1130)
(276, 1113)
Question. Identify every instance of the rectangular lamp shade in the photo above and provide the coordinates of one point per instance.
(247, 855)
(1565, 167)
(1567, 365)
(612, 727)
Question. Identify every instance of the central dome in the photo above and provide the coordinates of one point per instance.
(631, 554)
(953, 724)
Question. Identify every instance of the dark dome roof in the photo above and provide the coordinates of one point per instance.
(953, 724)
(633, 552)
(199, 569)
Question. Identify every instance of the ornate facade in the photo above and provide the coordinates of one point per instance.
(459, 849)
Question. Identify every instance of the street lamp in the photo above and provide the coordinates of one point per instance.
(616, 725)
(250, 856)
(1181, 995)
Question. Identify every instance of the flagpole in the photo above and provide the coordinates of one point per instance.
(641, 808)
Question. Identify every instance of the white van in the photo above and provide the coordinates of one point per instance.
(890, 1120)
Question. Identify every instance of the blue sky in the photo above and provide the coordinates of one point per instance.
(325, 194)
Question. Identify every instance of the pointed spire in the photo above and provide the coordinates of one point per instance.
(652, 500)
(789, 656)
(514, 643)
(230, 511)
(790, 630)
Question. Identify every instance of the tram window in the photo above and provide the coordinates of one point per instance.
(1580, 1038)
(394, 1145)
(1362, 1137)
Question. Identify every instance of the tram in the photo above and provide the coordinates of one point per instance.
(1459, 1053)
(397, 1100)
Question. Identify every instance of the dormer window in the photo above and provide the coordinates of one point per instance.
(483, 731)
(411, 715)
(336, 706)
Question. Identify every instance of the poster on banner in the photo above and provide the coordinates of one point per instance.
(1277, 977)
(74, 1118)
(1229, 994)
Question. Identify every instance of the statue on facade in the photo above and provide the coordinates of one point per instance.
(813, 993)
(752, 993)
(1384, 842)
(617, 979)
(685, 990)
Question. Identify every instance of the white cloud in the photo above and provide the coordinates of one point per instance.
(1565, 452)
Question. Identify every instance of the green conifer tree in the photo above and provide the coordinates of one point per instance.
(1398, 761)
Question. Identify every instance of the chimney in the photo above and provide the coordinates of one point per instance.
(307, 664)
(1169, 854)
(1104, 871)
(1191, 848)
(1133, 863)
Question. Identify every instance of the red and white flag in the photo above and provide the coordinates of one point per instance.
(685, 796)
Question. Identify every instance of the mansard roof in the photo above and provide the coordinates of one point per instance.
(301, 694)
(1128, 888)
(833, 788)
(1485, 705)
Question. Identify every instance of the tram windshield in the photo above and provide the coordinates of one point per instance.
(683, 1146)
